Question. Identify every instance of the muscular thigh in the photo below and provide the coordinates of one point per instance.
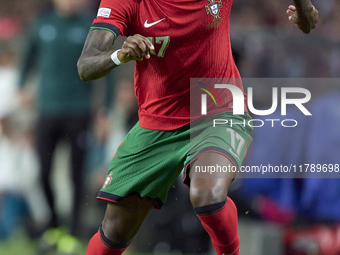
(217, 151)
(209, 188)
(123, 220)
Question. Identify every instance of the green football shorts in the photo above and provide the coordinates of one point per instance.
(148, 162)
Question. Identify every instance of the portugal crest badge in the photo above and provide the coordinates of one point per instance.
(213, 8)
(108, 180)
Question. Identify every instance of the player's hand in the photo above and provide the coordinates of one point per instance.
(135, 47)
(305, 19)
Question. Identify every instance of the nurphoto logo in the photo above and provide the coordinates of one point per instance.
(238, 104)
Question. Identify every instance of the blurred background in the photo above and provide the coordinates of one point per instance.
(56, 140)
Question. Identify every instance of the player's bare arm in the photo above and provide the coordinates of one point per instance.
(303, 14)
(95, 60)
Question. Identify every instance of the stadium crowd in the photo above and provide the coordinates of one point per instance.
(266, 45)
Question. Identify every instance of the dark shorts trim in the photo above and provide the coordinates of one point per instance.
(116, 199)
(186, 179)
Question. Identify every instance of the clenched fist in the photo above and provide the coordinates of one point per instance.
(135, 48)
(304, 18)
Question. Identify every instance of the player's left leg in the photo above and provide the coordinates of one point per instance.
(75, 130)
(216, 211)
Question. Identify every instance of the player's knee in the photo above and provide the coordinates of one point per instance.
(109, 228)
(202, 196)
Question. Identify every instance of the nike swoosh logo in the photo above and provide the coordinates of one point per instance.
(146, 24)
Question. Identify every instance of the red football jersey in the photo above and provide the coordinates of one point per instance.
(191, 39)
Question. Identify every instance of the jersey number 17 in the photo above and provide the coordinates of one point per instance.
(164, 40)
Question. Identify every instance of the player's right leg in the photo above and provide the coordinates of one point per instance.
(137, 181)
(121, 223)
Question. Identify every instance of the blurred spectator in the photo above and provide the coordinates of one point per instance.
(64, 106)
(20, 193)
(21, 12)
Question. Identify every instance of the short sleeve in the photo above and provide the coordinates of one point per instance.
(115, 16)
